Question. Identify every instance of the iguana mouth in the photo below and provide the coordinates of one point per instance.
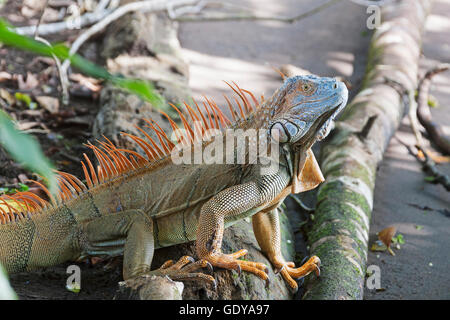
(322, 125)
(325, 126)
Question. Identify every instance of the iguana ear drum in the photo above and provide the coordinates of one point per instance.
(278, 133)
(287, 131)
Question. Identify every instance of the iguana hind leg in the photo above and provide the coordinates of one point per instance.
(227, 204)
(133, 230)
(130, 231)
(266, 227)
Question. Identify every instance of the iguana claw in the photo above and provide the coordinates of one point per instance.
(183, 270)
(290, 273)
(231, 262)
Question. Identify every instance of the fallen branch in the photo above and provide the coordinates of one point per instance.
(62, 75)
(142, 6)
(433, 129)
(85, 20)
(243, 15)
(428, 165)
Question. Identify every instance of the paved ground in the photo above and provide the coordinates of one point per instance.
(420, 268)
(334, 42)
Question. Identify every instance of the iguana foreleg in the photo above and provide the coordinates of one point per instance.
(228, 204)
(266, 227)
(132, 230)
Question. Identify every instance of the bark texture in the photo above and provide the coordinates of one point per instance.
(149, 288)
(349, 159)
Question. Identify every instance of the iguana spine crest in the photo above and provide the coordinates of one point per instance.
(113, 162)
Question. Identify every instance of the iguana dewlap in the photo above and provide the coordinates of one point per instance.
(132, 204)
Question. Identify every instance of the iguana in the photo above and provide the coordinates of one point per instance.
(133, 204)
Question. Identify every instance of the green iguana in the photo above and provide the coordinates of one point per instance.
(132, 204)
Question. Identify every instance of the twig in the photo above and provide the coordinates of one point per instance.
(428, 165)
(57, 27)
(301, 204)
(434, 130)
(36, 32)
(250, 16)
(63, 76)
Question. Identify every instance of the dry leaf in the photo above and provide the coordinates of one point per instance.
(90, 83)
(31, 82)
(378, 246)
(27, 125)
(386, 235)
(8, 97)
(5, 76)
(50, 104)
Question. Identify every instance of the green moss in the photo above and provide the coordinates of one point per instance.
(347, 285)
(338, 228)
(351, 168)
(287, 236)
(332, 199)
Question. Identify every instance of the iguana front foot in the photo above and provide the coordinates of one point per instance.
(231, 262)
(184, 269)
(289, 272)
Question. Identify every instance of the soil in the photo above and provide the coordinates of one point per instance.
(61, 137)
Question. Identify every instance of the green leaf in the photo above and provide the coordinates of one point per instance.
(432, 102)
(398, 239)
(23, 97)
(419, 227)
(26, 150)
(430, 179)
(6, 292)
(23, 187)
(142, 88)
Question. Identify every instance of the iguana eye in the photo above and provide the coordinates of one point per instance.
(306, 87)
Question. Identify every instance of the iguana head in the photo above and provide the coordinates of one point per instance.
(303, 108)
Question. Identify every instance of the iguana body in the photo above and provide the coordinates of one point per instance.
(133, 205)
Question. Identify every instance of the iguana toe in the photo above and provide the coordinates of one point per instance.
(184, 269)
(231, 262)
(289, 273)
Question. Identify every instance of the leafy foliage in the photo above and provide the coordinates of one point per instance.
(24, 148)
(6, 292)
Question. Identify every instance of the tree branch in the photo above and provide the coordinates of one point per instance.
(245, 15)
(434, 130)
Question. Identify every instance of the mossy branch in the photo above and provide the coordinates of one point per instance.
(339, 233)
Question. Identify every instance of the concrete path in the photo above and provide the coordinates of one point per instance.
(420, 269)
(334, 42)
(331, 43)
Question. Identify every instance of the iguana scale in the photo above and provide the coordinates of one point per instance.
(132, 204)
